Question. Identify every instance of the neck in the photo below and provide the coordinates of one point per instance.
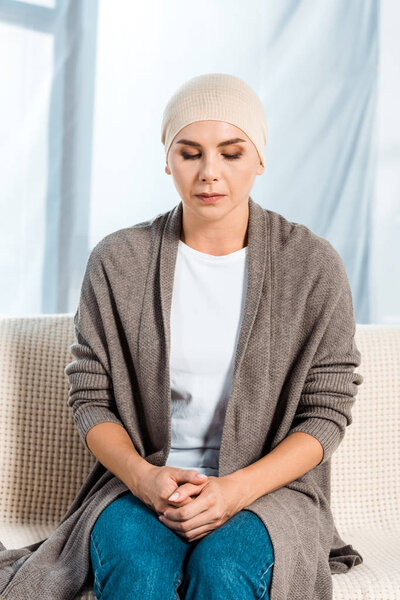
(220, 237)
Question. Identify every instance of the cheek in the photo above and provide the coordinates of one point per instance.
(239, 172)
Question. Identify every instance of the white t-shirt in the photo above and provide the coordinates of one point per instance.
(209, 294)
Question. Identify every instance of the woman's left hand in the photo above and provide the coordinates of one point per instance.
(218, 500)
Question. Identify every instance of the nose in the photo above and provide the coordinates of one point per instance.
(208, 171)
(209, 179)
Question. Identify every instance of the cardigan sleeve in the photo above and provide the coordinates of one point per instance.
(90, 396)
(331, 384)
(91, 392)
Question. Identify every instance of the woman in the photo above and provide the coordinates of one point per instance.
(204, 157)
(204, 543)
(216, 339)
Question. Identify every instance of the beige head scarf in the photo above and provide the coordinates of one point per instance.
(217, 97)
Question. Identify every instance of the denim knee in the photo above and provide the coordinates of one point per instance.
(236, 558)
(133, 554)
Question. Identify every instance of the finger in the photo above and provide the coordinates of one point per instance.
(191, 532)
(188, 512)
(179, 474)
(189, 537)
(189, 475)
(183, 491)
(198, 537)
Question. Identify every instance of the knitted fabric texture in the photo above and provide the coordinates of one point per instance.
(294, 370)
(216, 97)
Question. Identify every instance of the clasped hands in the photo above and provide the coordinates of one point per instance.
(202, 507)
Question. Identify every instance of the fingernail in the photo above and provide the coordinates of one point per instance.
(174, 496)
(200, 475)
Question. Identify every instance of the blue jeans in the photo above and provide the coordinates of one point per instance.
(134, 555)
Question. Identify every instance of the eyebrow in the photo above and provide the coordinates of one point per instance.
(197, 145)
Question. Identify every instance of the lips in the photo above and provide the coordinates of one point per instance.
(209, 198)
(210, 194)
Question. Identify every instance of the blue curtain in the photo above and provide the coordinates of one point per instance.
(86, 86)
(319, 87)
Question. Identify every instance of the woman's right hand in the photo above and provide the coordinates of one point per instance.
(158, 483)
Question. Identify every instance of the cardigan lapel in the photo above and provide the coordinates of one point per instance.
(157, 362)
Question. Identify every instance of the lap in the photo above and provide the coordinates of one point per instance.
(132, 553)
(242, 539)
(234, 560)
(241, 543)
(128, 530)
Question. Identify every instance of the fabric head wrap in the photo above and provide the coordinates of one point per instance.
(217, 97)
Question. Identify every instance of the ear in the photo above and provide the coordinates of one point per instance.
(260, 169)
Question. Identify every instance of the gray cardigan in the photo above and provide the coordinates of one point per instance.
(294, 371)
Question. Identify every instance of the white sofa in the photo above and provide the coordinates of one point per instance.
(34, 495)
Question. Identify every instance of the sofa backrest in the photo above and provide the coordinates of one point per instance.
(365, 475)
(43, 462)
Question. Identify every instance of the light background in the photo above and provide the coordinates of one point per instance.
(83, 89)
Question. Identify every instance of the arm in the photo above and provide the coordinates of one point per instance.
(294, 456)
(91, 392)
(329, 390)
(113, 447)
(323, 411)
(91, 395)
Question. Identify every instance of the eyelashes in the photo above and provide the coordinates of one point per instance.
(227, 156)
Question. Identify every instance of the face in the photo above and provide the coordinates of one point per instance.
(213, 156)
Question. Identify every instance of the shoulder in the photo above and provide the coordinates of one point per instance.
(302, 250)
(134, 241)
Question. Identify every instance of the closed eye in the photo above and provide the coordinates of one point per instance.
(228, 156)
